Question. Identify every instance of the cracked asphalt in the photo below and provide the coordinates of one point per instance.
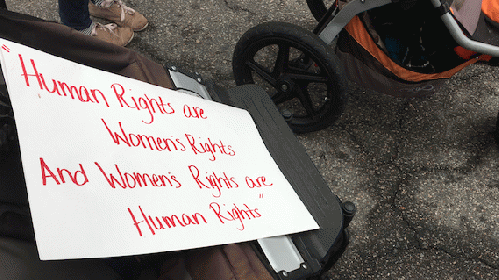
(423, 172)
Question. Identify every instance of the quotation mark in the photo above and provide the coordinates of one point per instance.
(5, 48)
(260, 195)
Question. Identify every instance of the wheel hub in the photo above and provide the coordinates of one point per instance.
(285, 86)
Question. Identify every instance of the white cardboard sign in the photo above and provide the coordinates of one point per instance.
(115, 166)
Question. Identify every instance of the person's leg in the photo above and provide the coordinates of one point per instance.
(75, 14)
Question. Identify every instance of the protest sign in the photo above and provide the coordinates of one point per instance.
(115, 166)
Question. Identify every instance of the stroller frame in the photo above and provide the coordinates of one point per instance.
(333, 28)
(289, 78)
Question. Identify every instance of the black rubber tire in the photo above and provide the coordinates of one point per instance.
(289, 73)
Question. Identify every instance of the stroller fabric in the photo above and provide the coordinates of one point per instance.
(404, 51)
(491, 10)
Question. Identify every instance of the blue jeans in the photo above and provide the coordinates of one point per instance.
(74, 13)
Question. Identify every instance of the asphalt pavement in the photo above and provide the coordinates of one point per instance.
(423, 172)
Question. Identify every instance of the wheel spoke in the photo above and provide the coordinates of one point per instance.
(307, 76)
(262, 72)
(306, 101)
(280, 97)
(282, 59)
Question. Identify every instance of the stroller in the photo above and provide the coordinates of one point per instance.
(405, 48)
(297, 256)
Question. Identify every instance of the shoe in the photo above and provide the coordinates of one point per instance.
(116, 11)
(111, 33)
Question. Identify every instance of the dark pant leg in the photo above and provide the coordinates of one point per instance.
(74, 13)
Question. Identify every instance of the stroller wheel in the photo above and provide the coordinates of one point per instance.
(296, 68)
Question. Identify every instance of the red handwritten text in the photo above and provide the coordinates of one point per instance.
(194, 112)
(61, 88)
(134, 179)
(257, 183)
(59, 176)
(146, 141)
(212, 181)
(201, 147)
(152, 105)
(164, 222)
(234, 213)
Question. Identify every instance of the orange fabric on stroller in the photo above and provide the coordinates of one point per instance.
(491, 9)
(366, 62)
